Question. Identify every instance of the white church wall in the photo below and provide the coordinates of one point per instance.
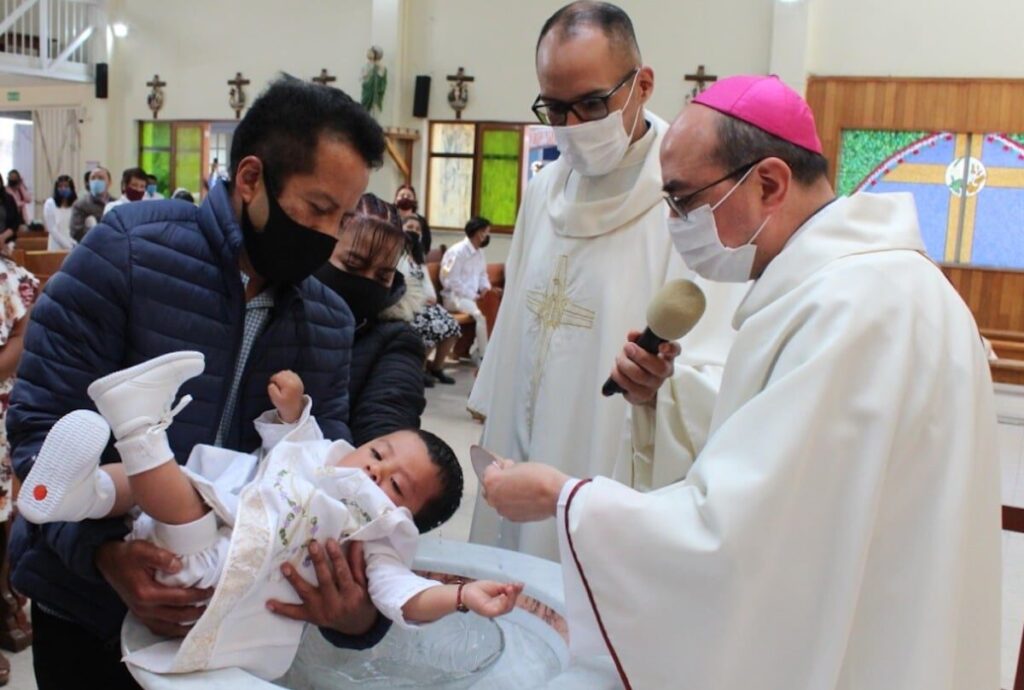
(915, 38)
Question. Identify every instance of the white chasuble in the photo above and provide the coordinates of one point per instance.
(840, 528)
(587, 256)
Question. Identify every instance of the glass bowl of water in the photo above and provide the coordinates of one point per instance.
(452, 653)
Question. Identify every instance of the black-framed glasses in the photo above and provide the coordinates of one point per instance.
(586, 109)
(680, 205)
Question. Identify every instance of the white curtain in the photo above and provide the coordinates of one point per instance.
(57, 150)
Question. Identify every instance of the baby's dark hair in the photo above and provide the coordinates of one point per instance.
(439, 509)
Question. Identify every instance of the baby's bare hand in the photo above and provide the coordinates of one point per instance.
(286, 392)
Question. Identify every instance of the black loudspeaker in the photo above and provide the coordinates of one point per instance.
(421, 98)
(101, 80)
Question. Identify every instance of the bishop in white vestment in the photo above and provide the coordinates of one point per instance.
(840, 526)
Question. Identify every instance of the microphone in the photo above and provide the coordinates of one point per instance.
(674, 311)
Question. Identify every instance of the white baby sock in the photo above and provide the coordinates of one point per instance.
(65, 483)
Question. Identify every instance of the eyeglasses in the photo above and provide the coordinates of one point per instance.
(586, 109)
(680, 205)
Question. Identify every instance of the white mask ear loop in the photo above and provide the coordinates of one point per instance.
(734, 188)
(636, 118)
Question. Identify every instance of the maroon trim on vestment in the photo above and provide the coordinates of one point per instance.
(586, 586)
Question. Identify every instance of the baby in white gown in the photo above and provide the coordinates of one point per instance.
(235, 518)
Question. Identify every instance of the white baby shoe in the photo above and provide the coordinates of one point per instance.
(141, 397)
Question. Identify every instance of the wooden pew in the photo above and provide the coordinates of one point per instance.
(44, 264)
(1008, 371)
(488, 304)
(33, 241)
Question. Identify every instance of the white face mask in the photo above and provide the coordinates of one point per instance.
(594, 148)
(696, 239)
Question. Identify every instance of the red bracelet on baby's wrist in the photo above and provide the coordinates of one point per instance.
(459, 605)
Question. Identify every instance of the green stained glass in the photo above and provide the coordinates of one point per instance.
(156, 135)
(188, 171)
(158, 163)
(1019, 138)
(189, 138)
(499, 176)
(861, 151)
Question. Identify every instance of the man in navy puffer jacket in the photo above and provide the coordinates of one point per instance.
(228, 279)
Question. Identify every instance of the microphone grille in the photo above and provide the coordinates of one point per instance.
(675, 309)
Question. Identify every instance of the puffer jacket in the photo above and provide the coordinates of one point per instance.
(150, 279)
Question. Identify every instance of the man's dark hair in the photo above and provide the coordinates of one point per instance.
(152, 179)
(284, 125)
(439, 509)
(740, 143)
(133, 174)
(610, 19)
(476, 224)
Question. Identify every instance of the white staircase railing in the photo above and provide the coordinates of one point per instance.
(49, 38)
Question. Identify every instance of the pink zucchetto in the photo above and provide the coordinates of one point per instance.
(765, 103)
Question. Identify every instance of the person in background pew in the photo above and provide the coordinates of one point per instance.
(408, 207)
(134, 182)
(18, 290)
(16, 187)
(432, 322)
(88, 210)
(11, 216)
(464, 277)
(57, 215)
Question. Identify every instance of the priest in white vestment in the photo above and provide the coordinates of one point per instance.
(840, 525)
(590, 250)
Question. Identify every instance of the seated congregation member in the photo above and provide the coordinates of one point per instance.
(386, 380)
(464, 277)
(152, 187)
(408, 207)
(88, 209)
(57, 215)
(17, 188)
(213, 512)
(432, 322)
(228, 279)
(133, 188)
(11, 219)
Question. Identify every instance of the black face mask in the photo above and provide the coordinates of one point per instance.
(284, 252)
(366, 298)
(406, 204)
(486, 242)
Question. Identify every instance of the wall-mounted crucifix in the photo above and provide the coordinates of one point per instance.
(324, 79)
(458, 95)
(702, 78)
(236, 97)
(155, 98)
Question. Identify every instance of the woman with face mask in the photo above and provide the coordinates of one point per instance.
(57, 215)
(432, 322)
(10, 215)
(16, 188)
(385, 376)
(408, 207)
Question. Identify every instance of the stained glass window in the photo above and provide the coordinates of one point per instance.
(499, 175)
(188, 157)
(968, 188)
(155, 152)
(474, 169)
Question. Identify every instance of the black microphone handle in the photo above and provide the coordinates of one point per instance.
(647, 341)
